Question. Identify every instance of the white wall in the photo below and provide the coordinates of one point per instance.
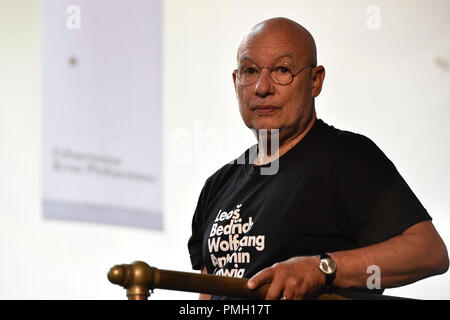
(391, 84)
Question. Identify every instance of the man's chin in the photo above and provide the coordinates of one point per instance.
(263, 124)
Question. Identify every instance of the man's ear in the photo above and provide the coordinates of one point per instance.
(234, 80)
(317, 77)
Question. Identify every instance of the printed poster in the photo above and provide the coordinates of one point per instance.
(102, 111)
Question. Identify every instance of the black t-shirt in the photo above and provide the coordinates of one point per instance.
(334, 190)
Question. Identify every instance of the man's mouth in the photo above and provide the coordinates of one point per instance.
(265, 109)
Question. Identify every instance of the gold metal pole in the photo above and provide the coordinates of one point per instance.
(139, 279)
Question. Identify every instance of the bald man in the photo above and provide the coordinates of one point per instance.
(335, 208)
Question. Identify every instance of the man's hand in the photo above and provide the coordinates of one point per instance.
(296, 278)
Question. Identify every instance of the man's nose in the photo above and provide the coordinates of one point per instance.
(264, 85)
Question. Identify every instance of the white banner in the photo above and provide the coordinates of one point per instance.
(102, 111)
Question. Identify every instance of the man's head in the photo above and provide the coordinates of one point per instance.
(271, 99)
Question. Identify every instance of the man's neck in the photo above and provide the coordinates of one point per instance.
(266, 155)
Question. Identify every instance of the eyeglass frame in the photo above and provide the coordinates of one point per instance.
(271, 69)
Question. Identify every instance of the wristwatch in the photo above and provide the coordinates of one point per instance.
(328, 268)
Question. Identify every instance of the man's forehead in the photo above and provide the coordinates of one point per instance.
(270, 49)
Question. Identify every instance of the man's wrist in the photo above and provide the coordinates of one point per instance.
(328, 268)
(320, 275)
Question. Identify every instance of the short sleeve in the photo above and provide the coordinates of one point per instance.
(195, 242)
(372, 194)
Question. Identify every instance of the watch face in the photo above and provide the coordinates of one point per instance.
(327, 265)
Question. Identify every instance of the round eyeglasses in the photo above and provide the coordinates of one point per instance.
(281, 74)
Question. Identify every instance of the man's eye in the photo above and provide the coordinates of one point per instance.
(282, 70)
(250, 70)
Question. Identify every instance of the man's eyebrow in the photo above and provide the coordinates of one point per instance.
(286, 55)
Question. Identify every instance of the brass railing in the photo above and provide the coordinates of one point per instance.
(139, 279)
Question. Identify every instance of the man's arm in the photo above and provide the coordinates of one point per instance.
(417, 253)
